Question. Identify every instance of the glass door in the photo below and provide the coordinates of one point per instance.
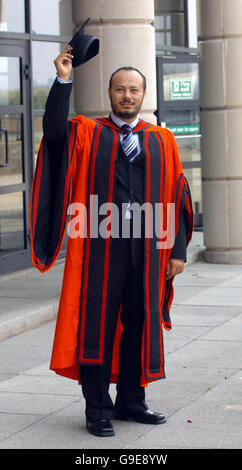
(14, 149)
(178, 109)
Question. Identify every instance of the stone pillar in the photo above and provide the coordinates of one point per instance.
(126, 38)
(220, 48)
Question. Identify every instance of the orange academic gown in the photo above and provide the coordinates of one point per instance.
(86, 166)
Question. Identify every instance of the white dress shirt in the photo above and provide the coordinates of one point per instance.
(119, 122)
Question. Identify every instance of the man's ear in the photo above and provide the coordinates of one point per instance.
(109, 92)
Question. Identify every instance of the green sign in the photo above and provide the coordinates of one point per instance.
(185, 129)
(181, 89)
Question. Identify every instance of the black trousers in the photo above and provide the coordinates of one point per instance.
(126, 286)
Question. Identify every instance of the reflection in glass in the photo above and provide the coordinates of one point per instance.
(11, 149)
(194, 179)
(169, 29)
(12, 16)
(11, 222)
(38, 134)
(57, 20)
(44, 72)
(9, 80)
(181, 81)
(182, 117)
(189, 148)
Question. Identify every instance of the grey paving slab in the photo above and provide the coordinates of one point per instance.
(229, 330)
(186, 292)
(29, 403)
(33, 293)
(184, 385)
(221, 296)
(31, 273)
(27, 288)
(205, 278)
(202, 315)
(43, 369)
(208, 354)
(178, 433)
(26, 350)
(202, 268)
(235, 281)
(186, 332)
(41, 384)
(14, 423)
(27, 317)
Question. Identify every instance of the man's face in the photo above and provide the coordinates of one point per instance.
(126, 94)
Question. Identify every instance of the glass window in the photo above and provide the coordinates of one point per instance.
(12, 16)
(38, 133)
(194, 178)
(160, 38)
(159, 22)
(169, 29)
(181, 81)
(52, 17)
(11, 222)
(9, 80)
(166, 5)
(183, 121)
(189, 148)
(44, 72)
(10, 149)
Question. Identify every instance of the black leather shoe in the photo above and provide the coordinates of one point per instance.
(141, 416)
(101, 427)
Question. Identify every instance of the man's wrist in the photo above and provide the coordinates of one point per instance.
(63, 80)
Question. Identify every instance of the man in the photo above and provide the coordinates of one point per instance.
(117, 290)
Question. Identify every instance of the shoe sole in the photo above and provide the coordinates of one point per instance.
(138, 420)
(102, 434)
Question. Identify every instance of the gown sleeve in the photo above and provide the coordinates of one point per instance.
(52, 183)
(179, 250)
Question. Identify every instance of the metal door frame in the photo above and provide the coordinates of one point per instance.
(18, 259)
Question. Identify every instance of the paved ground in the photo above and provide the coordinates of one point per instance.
(201, 396)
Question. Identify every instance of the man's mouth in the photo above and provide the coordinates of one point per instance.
(126, 103)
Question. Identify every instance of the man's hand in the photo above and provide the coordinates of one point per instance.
(63, 63)
(174, 267)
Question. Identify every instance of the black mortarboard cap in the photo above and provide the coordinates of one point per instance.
(85, 47)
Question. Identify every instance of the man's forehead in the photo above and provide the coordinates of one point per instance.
(130, 77)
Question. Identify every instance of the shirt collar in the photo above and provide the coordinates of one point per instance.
(120, 123)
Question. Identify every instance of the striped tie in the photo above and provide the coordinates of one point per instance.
(129, 143)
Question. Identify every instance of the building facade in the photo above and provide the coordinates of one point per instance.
(160, 38)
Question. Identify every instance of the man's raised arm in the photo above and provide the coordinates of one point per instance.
(57, 104)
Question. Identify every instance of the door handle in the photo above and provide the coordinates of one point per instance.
(5, 132)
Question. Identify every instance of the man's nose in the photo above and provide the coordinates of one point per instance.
(127, 94)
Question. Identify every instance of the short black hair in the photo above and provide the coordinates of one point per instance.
(128, 68)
